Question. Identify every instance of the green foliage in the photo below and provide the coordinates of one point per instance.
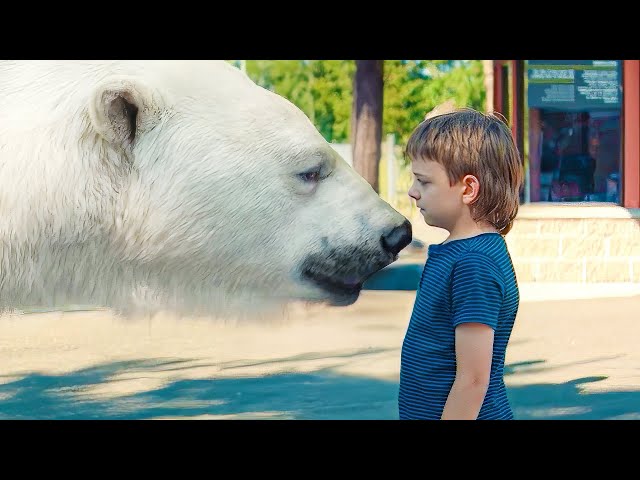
(332, 88)
(323, 90)
(415, 87)
(405, 103)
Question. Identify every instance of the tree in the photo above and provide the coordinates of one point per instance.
(487, 66)
(412, 88)
(331, 87)
(460, 80)
(366, 119)
(405, 97)
(324, 89)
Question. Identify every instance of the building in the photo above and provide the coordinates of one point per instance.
(577, 124)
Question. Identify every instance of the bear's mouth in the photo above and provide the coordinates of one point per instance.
(343, 291)
(342, 276)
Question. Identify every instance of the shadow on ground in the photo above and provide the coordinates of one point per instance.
(318, 395)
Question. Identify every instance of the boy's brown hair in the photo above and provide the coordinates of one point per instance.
(468, 142)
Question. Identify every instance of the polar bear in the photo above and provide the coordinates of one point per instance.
(179, 186)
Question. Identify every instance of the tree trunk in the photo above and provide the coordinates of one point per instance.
(487, 67)
(366, 119)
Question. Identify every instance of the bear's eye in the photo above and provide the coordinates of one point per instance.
(312, 176)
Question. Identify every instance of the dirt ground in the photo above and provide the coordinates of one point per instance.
(568, 359)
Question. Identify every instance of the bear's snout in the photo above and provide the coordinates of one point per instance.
(397, 238)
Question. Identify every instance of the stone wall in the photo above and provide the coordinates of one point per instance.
(586, 243)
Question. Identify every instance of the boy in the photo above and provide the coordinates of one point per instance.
(467, 180)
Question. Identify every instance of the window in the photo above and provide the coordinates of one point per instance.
(575, 142)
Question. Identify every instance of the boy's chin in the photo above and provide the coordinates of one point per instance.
(426, 218)
(429, 221)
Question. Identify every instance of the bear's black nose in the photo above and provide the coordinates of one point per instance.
(398, 238)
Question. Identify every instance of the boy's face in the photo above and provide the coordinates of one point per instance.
(439, 202)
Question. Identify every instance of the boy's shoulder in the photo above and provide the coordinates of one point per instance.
(490, 245)
(487, 252)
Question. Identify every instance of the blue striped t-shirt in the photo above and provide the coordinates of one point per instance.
(465, 280)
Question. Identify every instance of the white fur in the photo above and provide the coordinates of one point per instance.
(203, 212)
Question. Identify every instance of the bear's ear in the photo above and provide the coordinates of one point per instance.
(122, 108)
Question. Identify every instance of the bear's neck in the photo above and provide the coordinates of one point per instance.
(55, 277)
(38, 274)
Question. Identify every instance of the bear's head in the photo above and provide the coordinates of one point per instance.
(193, 187)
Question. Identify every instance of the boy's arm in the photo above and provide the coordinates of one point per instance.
(474, 349)
(477, 294)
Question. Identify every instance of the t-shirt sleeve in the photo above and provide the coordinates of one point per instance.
(477, 291)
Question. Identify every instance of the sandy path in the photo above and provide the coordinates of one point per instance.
(567, 359)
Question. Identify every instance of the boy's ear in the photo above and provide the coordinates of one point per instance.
(471, 189)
